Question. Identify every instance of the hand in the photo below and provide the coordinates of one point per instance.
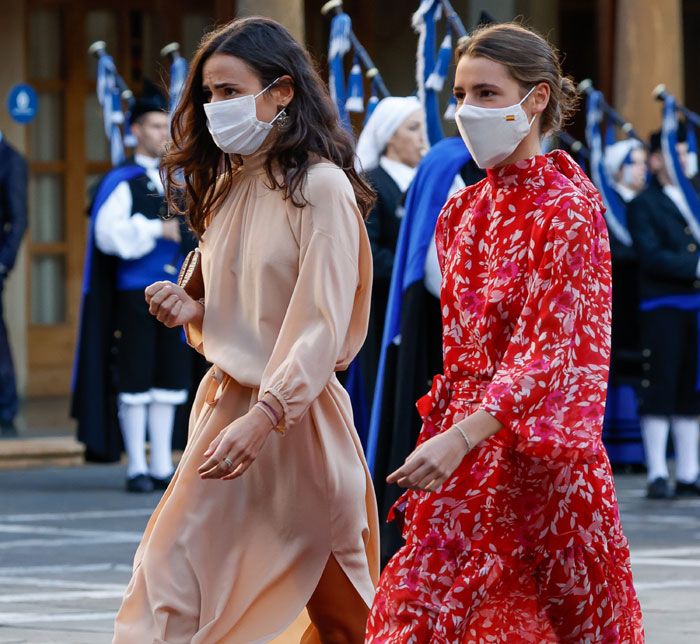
(432, 463)
(233, 451)
(171, 230)
(171, 305)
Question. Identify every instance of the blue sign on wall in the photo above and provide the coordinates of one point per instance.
(23, 103)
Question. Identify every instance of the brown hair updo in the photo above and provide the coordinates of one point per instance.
(529, 59)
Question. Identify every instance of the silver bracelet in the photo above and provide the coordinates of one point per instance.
(467, 440)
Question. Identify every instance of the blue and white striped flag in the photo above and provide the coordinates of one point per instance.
(424, 20)
(371, 103)
(109, 97)
(692, 165)
(338, 46)
(669, 139)
(615, 211)
(355, 101)
(178, 75)
(436, 80)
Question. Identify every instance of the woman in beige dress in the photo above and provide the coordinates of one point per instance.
(270, 519)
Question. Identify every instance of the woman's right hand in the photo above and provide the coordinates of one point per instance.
(171, 305)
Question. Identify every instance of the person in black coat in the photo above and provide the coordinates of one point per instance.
(625, 162)
(389, 149)
(626, 167)
(13, 223)
(667, 240)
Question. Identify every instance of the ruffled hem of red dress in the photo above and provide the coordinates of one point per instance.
(438, 593)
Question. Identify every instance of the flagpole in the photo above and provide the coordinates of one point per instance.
(576, 146)
(455, 21)
(660, 94)
(371, 72)
(111, 90)
(586, 86)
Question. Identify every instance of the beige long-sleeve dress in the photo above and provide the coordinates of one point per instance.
(287, 299)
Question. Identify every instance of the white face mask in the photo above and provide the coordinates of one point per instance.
(234, 124)
(492, 133)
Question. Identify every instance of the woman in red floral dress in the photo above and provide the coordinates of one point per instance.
(511, 522)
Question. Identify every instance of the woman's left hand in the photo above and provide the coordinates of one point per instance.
(431, 463)
(233, 451)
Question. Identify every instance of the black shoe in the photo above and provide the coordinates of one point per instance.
(8, 430)
(658, 489)
(139, 484)
(687, 490)
(161, 484)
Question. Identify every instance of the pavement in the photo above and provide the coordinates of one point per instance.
(68, 535)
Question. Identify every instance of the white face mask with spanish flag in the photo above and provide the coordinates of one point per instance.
(491, 134)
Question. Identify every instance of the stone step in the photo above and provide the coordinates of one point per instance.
(60, 451)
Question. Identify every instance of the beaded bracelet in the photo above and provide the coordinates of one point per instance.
(467, 440)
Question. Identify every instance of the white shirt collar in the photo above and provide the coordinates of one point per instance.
(146, 161)
(401, 173)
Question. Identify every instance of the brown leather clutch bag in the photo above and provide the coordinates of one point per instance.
(190, 277)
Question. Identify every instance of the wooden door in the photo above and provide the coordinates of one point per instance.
(68, 150)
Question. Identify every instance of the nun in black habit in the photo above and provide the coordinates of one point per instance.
(389, 149)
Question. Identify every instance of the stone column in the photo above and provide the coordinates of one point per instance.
(12, 71)
(289, 12)
(648, 51)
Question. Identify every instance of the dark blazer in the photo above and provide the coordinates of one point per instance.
(13, 204)
(667, 251)
(626, 341)
(382, 224)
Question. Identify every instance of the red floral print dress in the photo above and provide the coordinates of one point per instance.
(523, 543)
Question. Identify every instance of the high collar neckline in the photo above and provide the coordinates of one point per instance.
(517, 172)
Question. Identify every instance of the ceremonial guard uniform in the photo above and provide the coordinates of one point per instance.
(126, 358)
(666, 239)
(388, 150)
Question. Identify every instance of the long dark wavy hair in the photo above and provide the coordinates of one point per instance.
(313, 129)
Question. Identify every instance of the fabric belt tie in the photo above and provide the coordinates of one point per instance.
(433, 405)
(216, 388)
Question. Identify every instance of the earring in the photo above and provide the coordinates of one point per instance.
(282, 119)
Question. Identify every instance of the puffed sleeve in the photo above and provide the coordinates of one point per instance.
(313, 340)
(549, 389)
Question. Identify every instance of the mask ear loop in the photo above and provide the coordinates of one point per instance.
(262, 91)
(282, 114)
(534, 116)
